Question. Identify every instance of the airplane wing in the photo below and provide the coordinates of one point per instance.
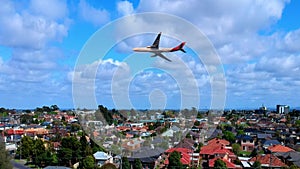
(156, 42)
(162, 56)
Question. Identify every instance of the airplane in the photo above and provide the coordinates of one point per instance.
(154, 48)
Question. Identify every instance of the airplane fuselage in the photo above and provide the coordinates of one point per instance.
(152, 50)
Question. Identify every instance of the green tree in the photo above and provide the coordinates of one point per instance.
(254, 153)
(220, 164)
(95, 147)
(106, 114)
(45, 159)
(294, 167)
(197, 123)
(26, 119)
(84, 146)
(46, 109)
(297, 123)
(54, 159)
(25, 150)
(89, 162)
(240, 132)
(69, 152)
(75, 127)
(256, 165)
(188, 135)
(4, 156)
(174, 160)
(200, 115)
(236, 148)
(39, 152)
(65, 156)
(125, 163)
(137, 164)
(229, 136)
(54, 107)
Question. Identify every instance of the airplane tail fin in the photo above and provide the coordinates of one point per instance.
(179, 47)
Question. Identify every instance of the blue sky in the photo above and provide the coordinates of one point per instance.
(256, 42)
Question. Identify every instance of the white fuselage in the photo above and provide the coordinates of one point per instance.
(153, 50)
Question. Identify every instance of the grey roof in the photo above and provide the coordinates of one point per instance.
(290, 156)
(148, 152)
(271, 142)
(100, 155)
(264, 136)
(244, 137)
(297, 163)
(157, 140)
(175, 128)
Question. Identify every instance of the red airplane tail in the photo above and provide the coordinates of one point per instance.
(179, 47)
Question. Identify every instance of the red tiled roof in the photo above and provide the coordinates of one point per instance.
(268, 159)
(15, 131)
(223, 150)
(216, 140)
(279, 148)
(228, 163)
(210, 149)
(185, 158)
(181, 150)
(123, 128)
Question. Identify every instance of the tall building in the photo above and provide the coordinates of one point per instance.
(283, 109)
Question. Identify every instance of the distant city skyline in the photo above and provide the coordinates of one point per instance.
(257, 44)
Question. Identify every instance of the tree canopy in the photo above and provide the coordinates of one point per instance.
(4, 156)
(227, 135)
(220, 164)
(89, 162)
(125, 163)
(256, 165)
(137, 164)
(174, 160)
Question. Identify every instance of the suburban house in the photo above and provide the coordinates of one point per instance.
(102, 158)
(268, 143)
(289, 158)
(246, 142)
(217, 149)
(225, 160)
(267, 161)
(279, 149)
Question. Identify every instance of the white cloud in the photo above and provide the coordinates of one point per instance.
(33, 68)
(31, 65)
(125, 7)
(226, 23)
(25, 30)
(93, 15)
(53, 9)
(222, 16)
(115, 79)
(288, 66)
(292, 41)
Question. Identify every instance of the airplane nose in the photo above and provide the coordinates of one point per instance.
(134, 49)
